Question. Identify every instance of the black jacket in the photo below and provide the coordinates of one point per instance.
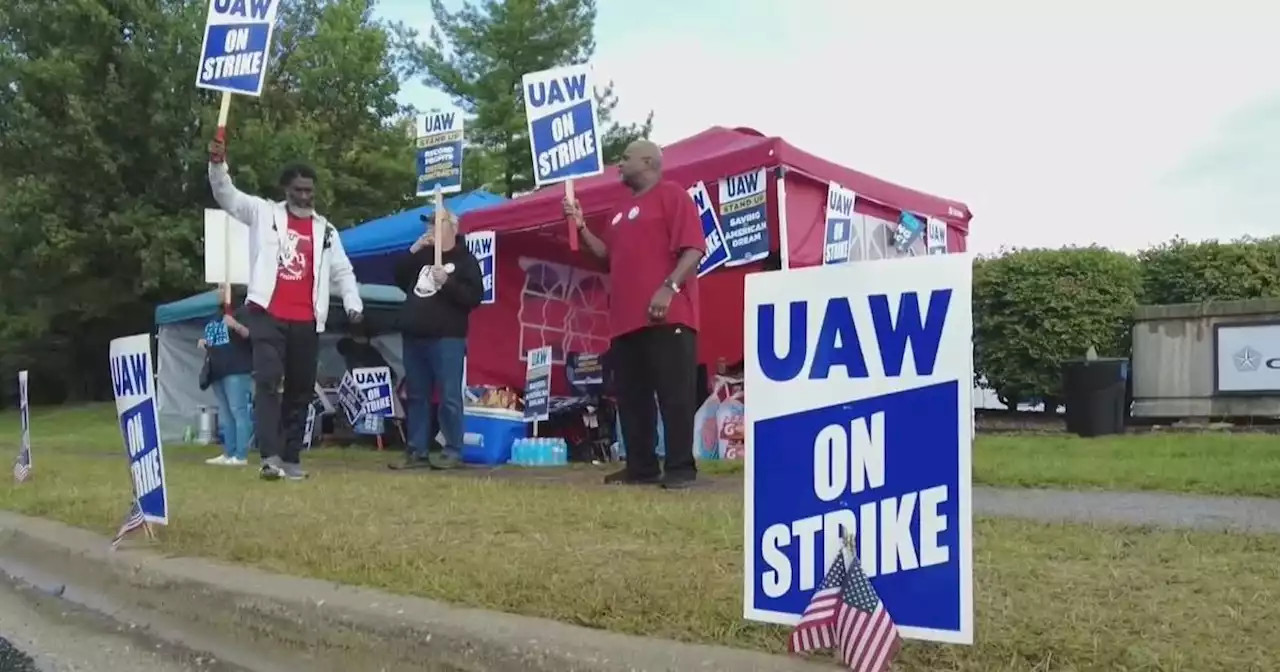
(429, 312)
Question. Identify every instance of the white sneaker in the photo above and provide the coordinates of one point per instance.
(236, 462)
(219, 460)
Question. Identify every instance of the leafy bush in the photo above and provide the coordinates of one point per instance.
(1182, 272)
(1034, 309)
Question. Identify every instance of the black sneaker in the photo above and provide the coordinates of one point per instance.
(624, 477)
(679, 481)
(411, 461)
(271, 469)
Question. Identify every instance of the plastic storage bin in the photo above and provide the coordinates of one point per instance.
(488, 434)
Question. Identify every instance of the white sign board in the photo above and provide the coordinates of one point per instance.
(221, 229)
(861, 423)
(1247, 359)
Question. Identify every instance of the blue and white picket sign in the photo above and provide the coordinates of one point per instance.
(564, 126)
(910, 229)
(350, 399)
(133, 379)
(537, 385)
(861, 422)
(838, 240)
(745, 217)
(484, 247)
(237, 45)
(717, 253)
(309, 429)
(24, 412)
(374, 384)
(439, 159)
(936, 240)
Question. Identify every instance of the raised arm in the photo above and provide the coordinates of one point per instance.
(236, 203)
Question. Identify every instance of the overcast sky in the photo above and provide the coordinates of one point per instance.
(1058, 123)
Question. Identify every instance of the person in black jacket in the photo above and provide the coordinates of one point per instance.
(433, 323)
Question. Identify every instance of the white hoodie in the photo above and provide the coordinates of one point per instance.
(268, 225)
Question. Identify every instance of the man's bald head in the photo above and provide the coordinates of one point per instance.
(641, 165)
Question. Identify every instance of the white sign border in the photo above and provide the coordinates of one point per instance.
(964, 498)
(266, 55)
(595, 121)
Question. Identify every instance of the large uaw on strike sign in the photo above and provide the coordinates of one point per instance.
(132, 378)
(237, 39)
(561, 108)
(861, 421)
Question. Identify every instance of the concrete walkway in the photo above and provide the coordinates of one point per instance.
(1244, 514)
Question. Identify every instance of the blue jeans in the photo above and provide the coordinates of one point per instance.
(235, 413)
(430, 365)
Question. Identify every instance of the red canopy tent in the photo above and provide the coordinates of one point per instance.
(551, 296)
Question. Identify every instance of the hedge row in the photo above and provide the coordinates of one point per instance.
(1034, 309)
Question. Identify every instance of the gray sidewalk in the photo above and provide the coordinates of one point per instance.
(1244, 514)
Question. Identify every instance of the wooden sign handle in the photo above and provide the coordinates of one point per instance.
(573, 226)
(440, 218)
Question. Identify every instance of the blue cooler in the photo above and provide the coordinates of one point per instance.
(488, 434)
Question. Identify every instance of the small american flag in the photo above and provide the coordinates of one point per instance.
(22, 465)
(131, 523)
(846, 615)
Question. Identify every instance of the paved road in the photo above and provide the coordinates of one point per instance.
(39, 633)
(1245, 514)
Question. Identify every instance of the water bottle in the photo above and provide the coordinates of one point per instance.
(562, 452)
(543, 445)
(517, 452)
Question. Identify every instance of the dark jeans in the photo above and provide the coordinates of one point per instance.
(284, 376)
(434, 365)
(659, 360)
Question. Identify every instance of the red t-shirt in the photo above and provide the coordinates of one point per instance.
(295, 274)
(645, 236)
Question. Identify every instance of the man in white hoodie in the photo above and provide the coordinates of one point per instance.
(295, 258)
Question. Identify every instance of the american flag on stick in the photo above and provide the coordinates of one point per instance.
(134, 521)
(22, 465)
(846, 615)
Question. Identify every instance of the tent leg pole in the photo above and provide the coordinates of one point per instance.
(784, 237)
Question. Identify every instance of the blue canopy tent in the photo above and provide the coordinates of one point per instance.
(370, 245)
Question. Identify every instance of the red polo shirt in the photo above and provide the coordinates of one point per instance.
(645, 235)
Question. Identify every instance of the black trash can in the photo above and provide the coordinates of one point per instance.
(1095, 391)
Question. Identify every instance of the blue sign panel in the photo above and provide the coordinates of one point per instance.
(484, 247)
(237, 45)
(717, 253)
(563, 124)
(439, 158)
(838, 238)
(133, 379)
(744, 213)
(860, 425)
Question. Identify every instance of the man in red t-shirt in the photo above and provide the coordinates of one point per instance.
(652, 243)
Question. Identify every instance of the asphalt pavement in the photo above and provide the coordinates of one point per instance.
(42, 633)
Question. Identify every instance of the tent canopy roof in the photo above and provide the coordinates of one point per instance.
(207, 304)
(708, 156)
(396, 232)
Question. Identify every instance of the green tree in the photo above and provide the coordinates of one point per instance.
(477, 56)
(102, 159)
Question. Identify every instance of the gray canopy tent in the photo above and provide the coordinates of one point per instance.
(179, 325)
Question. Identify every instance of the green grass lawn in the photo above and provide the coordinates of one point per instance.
(1048, 596)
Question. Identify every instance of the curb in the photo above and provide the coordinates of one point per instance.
(241, 613)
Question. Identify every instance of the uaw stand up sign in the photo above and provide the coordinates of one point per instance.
(860, 423)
